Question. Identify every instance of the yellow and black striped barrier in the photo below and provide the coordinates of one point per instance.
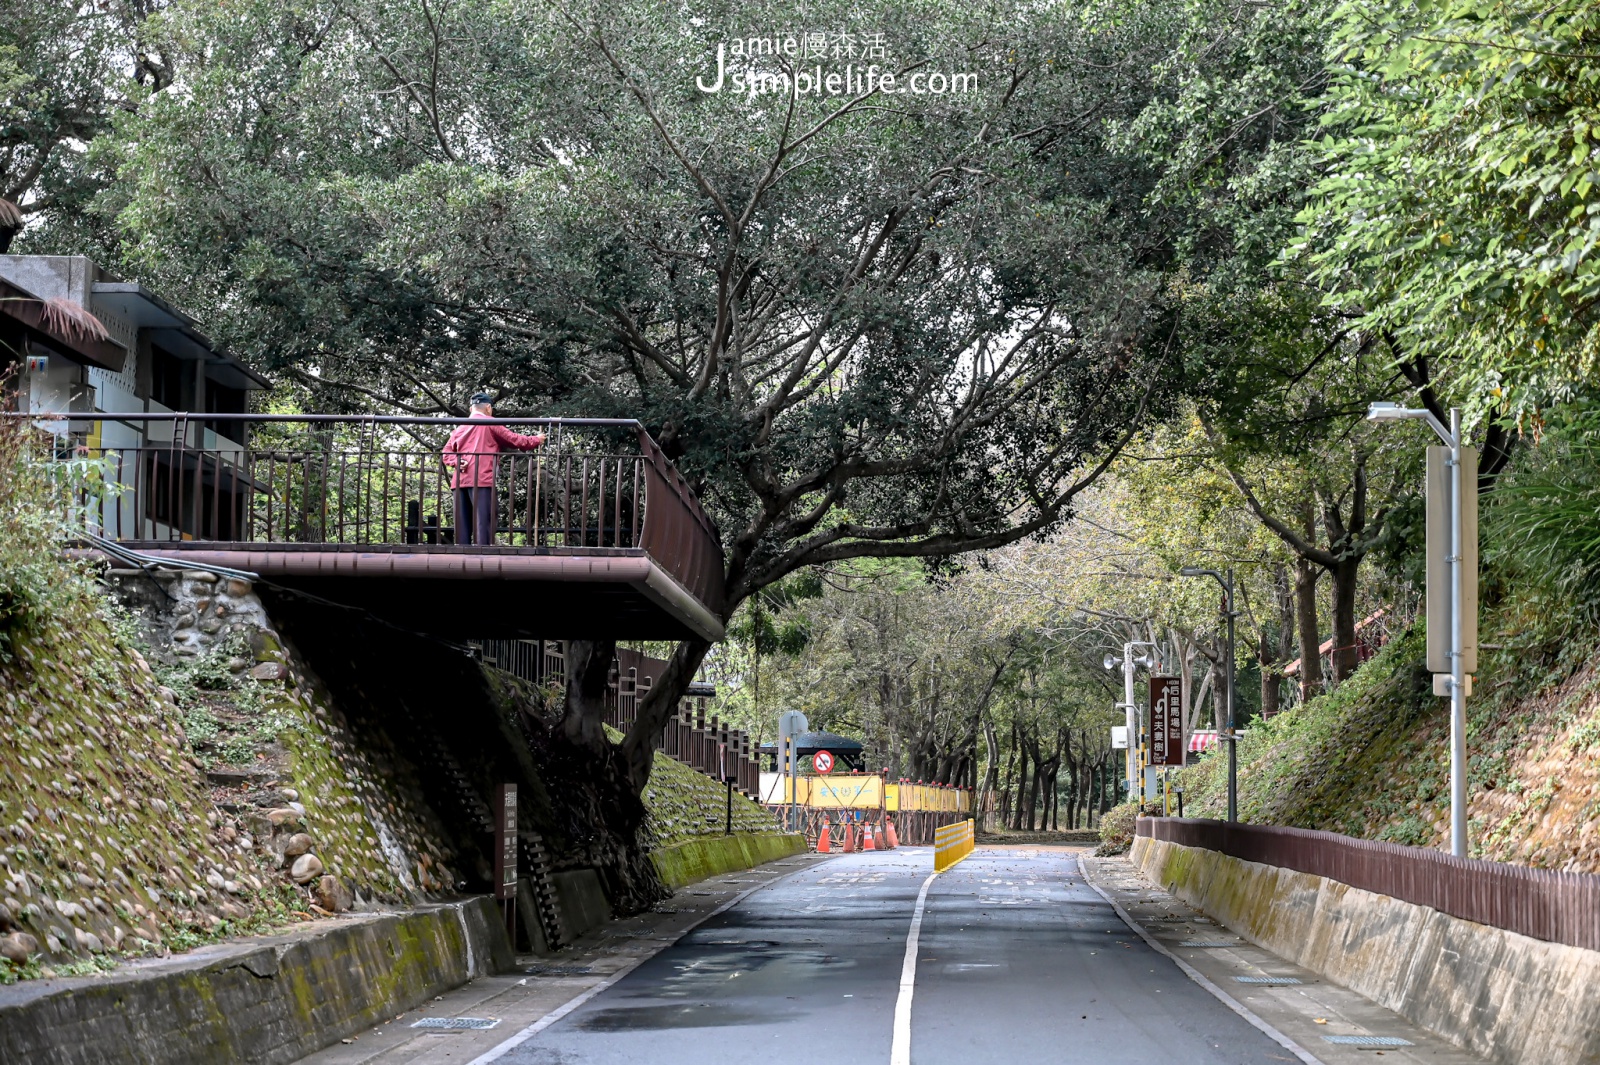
(951, 844)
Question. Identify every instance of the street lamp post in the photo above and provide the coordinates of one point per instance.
(1459, 484)
(1230, 737)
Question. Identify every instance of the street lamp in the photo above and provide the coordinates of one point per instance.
(1452, 475)
(1230, 738)
(1131, 709)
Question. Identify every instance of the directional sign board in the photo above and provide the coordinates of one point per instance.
(505, 844)
(822, 762)
(1166, 721)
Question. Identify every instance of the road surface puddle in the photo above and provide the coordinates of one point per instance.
(688, 1015)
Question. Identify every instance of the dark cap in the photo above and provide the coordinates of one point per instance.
(481, 398)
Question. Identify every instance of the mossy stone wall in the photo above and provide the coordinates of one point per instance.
(266, 1001)
(1504, 996)
(697, 859)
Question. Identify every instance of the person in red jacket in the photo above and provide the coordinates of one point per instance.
(471, 450)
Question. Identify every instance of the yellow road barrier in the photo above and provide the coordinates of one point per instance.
(951, 844)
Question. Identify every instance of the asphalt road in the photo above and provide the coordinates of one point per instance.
(1018, 960)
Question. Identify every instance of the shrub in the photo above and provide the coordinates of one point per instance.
(1116, 829)
(41, 504)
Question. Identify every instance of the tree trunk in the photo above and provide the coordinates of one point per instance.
(1007, 805)
(1271, 655)
(1031, 805)
(1073, 773)
(1346, 655)
(625, 869)
(588, 666)
(1305, 594)
(657, 708)
(1019, 736)
(991, 774)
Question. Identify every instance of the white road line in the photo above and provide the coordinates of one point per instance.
(900, 1053)
(517, 1039)
(1194, 974)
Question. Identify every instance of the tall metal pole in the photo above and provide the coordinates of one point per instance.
(1458, 680)
(1455, 482)
(1233, 741)
(794, 782)
(1132, 719)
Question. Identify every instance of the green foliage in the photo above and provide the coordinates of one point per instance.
(860, 329)
(239, 750)
(41, 499)
(203, 684)
(1307, 766)
(1458, 212)
(1116, 829)
(1541, 530)
(65, 68)
(199, 725)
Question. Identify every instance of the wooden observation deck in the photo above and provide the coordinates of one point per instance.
(597, 534)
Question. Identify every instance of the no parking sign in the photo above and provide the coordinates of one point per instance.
(822, 762)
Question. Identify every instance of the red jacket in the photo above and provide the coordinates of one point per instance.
(472, 448)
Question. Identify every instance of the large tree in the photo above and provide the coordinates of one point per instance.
(1456, 214)
(864, 323)
(67, 67)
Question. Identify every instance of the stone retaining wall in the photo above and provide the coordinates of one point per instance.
(712, 856)
(1505, 996)
(266, 1001)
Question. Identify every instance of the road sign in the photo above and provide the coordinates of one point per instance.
(1441, 483)
(822, 762)
(505, 844)
(1166, 721)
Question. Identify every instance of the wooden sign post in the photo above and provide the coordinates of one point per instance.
(505, 854)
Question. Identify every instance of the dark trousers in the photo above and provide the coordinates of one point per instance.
(475, 516)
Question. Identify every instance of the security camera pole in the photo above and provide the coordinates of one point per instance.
(1130, 707)
(1230, 737)
(1452, 594)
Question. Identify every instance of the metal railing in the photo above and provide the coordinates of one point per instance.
(339, 480)
(1546, 904)
(706, 745)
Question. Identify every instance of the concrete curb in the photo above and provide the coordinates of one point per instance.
(1507, 997)
(271, 1000)
(1198, 977)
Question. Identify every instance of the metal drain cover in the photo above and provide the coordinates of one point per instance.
(1368, 1040)
(559, 970)
(456, 1024)
(1270, 981)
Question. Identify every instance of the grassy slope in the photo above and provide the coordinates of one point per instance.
(1371, 759)
(685, 804)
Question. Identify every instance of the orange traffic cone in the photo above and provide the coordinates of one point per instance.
(894, 838)
(867, 843)
(822, 840)
(849, 839)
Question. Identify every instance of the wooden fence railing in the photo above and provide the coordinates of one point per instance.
(1557, 907)
(705, 744)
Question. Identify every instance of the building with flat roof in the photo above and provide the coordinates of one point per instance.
(82, 342)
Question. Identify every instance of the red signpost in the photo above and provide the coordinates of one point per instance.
(1166, 721)
(822, 762)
